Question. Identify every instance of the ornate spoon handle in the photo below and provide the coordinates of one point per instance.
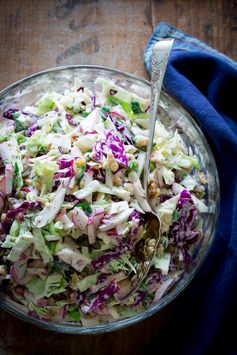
(160, 56)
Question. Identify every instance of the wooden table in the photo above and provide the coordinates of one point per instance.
(38, 34)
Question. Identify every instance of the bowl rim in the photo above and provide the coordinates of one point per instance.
(72, 66)
(73, 327)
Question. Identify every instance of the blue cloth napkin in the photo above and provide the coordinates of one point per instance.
(204, 81)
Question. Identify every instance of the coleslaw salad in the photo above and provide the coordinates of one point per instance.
(72, 204)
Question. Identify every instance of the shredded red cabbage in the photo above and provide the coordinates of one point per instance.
(71, 198)
(42, 302)
(113, 143)
(118, 115)
(139, 297)
(90, 132)
(134, 216)
(98, 262)
(165, 197)
(23, 208)
(122, 129)
(184, 198)
(112, 232)
(183, 232)
(106, 293)
(63, 174)
(102, 277)
(66, 172)
(80, 297)
(154, 277)
(93, 103)
(65, 163)
(6, 226)
(31, 130)
(98, 174)
(10, 112)
(70, 120)
(100, 149)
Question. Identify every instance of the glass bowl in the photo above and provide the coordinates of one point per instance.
(28, 90)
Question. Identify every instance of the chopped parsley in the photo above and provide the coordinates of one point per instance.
(147, 300)
(52, 246)
(3, 139)
(86, 207)
(132, 165)
(105, 109)
(175, 215)
(19, 126)
(85, 114)
(20, 138)
(73, 313)
(136, 108)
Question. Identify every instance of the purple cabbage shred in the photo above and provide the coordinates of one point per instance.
(9, 113)
(70, 119)
(122, 129)
(23, 208)
(99, 261)
(31, 130)
(184, 232)
(165, 197)
(134, 216)
(93, 103)
(113, 143)
(63, 174)
(65, 163)
(80, 297)
(102, 277)
(104, 295)
(139, 297)
(154, 277)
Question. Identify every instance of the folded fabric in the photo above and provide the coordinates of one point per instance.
(204, 81)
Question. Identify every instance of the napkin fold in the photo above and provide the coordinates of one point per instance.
(204, 81)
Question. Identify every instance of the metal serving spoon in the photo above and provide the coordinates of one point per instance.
(146, 248)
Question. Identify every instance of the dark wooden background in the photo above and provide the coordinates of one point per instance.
(38, 34)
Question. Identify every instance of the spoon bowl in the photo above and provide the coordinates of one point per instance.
(146, 247)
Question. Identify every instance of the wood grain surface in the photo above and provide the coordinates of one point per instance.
(38, 34)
